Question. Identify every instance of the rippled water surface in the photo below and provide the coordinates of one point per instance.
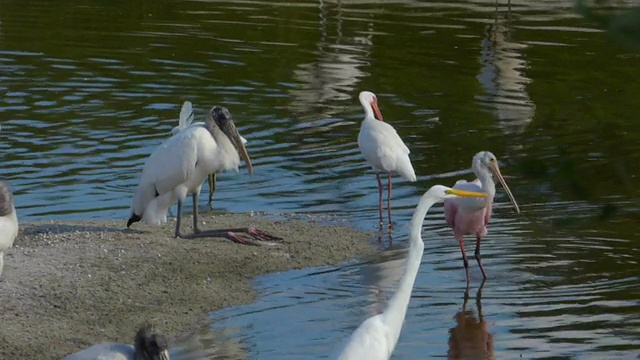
(88, 89)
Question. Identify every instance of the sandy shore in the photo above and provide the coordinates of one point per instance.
(67, 285)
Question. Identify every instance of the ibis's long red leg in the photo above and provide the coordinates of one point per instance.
(380, 198)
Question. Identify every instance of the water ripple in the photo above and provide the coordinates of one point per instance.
(84, 101)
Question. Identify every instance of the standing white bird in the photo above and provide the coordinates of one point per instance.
(185, 120)
(179, 166)
(383, 149)
(376, 337)
(8, 221)
(147, 345)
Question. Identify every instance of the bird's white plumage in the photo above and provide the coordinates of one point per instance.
(105, 352)
(468, 204)
(369, 341)
(381, 145)
(148, 345)
(8, 222)
(383, 148)
(376, 337)
(186, 117)
(8, 229)
(178, 167)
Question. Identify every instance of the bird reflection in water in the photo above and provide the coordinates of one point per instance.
(327, 84)
(470, 338)
(503, 75)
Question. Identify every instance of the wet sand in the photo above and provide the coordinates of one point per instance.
(68, 285)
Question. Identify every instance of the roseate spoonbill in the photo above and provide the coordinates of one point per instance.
(179, 166)
(186, 118)
(8, 221)
(376, 337)
(148, 344)
(383, 149)
(471, 216)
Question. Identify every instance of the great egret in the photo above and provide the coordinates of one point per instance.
(383, 149)
(376, 337)
(147, 345)
(186, 118)
(179, 166)
(8, 221)
(471, 216)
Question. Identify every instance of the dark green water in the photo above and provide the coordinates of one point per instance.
(88, 89)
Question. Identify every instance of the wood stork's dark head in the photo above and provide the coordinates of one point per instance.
(222, 117)
(150, 345)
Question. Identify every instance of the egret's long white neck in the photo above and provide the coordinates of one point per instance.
(395, 312)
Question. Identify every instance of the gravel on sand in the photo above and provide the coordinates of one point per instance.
(69, 285)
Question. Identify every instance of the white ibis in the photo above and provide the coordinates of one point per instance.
(383, 149)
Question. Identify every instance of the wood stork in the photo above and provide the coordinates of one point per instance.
(148, 344)
(185, 120)
(471, 216)
(376, 337)
(383, 149)
(8, 221)
(179, 166)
